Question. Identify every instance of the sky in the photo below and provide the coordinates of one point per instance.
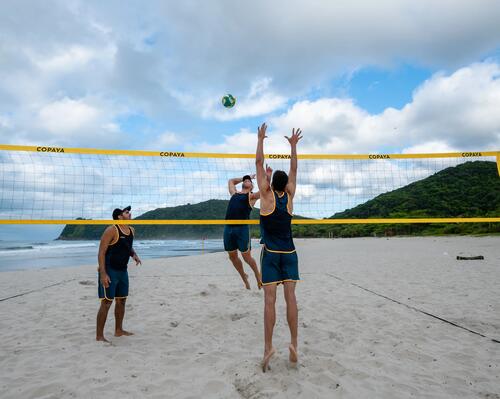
(356, 76)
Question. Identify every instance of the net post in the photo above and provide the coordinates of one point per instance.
(498, 163)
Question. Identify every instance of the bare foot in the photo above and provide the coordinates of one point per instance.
(102, 339)
(293, 357)
(245, 280)
(267, 359)
(123, 332)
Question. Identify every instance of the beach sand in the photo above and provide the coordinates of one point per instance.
(363, 332)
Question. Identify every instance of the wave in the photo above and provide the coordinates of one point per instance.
(45, 247)
(17, 248)
(74, 245)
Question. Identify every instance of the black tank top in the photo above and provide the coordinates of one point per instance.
(239, 207)
(118, 253)
(276, 226)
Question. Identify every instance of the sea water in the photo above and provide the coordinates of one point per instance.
(19, 255)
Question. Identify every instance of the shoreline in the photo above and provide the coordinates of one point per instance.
(255, 245)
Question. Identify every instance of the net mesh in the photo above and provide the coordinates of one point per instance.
(36, 185)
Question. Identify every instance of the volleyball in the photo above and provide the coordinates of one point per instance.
(228, 101)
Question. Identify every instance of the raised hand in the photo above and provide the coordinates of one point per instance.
(261, 131)
(269, 171)
(296, 136)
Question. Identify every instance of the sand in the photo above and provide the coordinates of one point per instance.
(363, 332)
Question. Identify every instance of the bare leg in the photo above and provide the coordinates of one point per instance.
(233, 256)
(119, 315)
(292, 316)
(247, 257)
(269, 321)
(102, 315)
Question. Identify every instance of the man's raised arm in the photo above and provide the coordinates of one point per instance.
(231, 184)
(262, 181)
(292, 174)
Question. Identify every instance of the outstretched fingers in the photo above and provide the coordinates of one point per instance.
(261, 131)
(296, 136)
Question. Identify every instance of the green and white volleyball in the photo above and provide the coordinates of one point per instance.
(228, 101)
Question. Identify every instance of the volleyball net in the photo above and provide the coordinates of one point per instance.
(51, 185)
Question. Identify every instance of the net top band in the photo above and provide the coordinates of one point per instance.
(180, 154)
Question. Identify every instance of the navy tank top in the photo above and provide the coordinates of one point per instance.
(118, 253)
(276, 226)
(239, 207)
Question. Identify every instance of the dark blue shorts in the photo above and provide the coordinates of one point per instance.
(118, 287)
(237, 238)
(277, 267)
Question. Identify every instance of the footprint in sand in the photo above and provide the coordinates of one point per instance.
(238, 316)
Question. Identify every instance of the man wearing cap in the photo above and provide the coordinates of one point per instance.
(115, 250)
(237, 236)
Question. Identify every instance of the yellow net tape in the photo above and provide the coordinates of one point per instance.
(256, 222)
(178, 154)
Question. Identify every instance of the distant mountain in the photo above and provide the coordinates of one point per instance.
(211, 209)
(467, 190)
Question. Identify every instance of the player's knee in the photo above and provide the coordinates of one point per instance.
(120, 301)
(247, 256)
(290, 298)
(270, 299)
(289, 294)
(106, 303)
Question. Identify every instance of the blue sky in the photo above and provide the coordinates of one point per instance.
(356, 76)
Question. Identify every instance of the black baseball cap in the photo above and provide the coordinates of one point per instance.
(246, 177)
(117, 212)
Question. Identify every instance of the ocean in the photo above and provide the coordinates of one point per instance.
(21, 255)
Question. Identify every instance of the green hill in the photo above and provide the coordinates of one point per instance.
(471, 189)
(212, 209)
(467, 190)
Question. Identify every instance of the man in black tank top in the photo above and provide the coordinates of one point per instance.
(115, 250)
(279, 262)
(237, 236)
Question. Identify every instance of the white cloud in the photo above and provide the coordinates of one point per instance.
(429, 147)
(166, 139)
(74, 56)
(301, 44)
(243, 142)
(65, 122)
(458, 111)
(67, 116)
(4, 121)
(305, 191)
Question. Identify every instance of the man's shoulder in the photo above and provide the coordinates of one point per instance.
(111, 229)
